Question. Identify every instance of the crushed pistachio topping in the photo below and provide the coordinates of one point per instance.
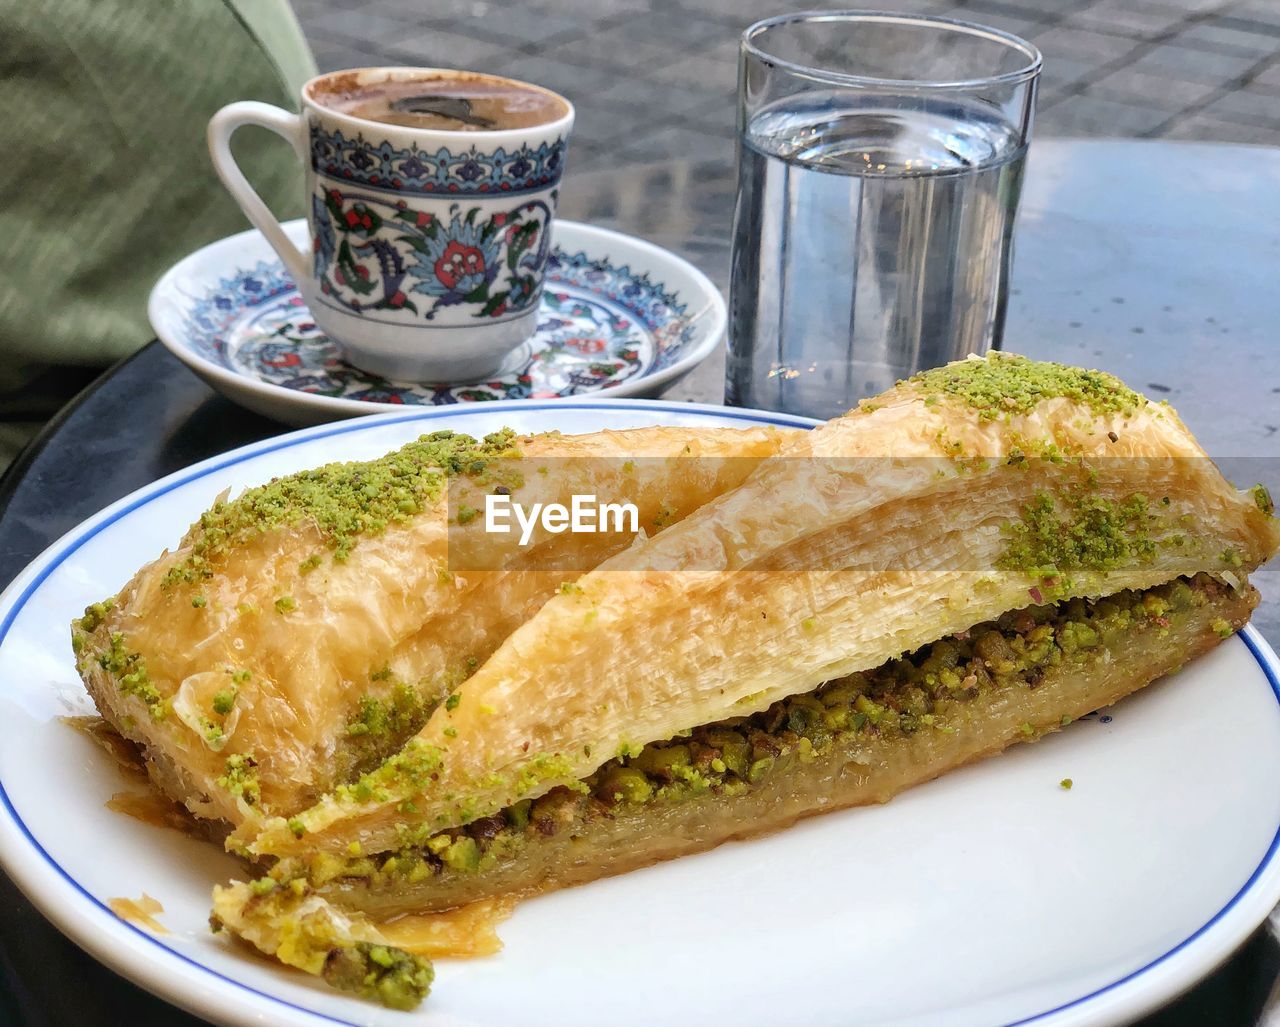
(414, 765)
(130, 672)
(1049, 450)
(344, 500)
(545, 767)
(81, 627)
(382, 721)
(94, 615)
(1078, 531)
(1005, 383)
(1262, 498)
(929, 690)
(241, 778)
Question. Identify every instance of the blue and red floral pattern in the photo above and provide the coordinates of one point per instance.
(374, 254)
(598, 325)
(383, 166)
(666, 320)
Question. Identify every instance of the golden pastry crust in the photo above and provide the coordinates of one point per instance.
(240, 660)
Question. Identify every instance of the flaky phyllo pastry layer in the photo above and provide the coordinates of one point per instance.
(300, 633)
(975, 557)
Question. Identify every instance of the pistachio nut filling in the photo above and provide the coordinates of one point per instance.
(304, 931)
(935, 692)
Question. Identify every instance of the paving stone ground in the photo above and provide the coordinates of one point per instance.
(656, 78)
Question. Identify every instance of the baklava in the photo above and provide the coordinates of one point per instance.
(975, 558)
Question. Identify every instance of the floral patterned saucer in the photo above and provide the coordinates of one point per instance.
(619, 317)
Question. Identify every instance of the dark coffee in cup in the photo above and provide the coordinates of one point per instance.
(448, 102)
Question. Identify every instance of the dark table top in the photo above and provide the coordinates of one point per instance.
(1156, 261)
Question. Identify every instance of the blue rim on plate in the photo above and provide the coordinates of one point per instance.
(618, 316)
(44, 565)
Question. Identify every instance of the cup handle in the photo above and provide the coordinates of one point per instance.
(291, 128)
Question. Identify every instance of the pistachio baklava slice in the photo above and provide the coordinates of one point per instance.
(957, 497)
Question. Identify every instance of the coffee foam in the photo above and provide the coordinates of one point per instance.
(439, 100)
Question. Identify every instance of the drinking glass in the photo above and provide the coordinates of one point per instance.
(880, 160)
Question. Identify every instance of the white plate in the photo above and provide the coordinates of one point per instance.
(618, 317)
(989, 896)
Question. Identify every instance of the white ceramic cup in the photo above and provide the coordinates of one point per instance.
(428, 246)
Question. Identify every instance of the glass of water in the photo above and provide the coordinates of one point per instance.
(879, 165)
